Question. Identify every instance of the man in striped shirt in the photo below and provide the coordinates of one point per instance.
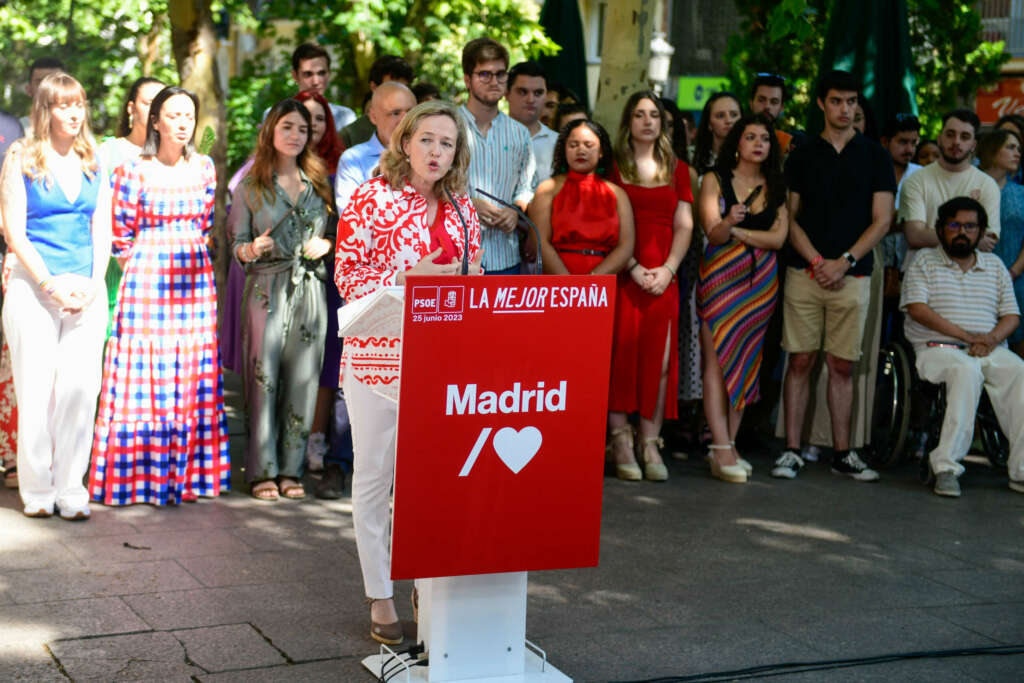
(501, 161)
(960, 309)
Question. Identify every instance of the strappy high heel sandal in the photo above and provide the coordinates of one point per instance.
(741, 461)
(734, 474)
(653, 471)
(629, 471)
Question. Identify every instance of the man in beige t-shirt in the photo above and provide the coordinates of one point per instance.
(952, 175)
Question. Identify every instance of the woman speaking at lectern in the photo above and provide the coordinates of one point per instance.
(411, 219)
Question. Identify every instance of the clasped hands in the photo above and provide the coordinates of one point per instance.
(981, 345)
(71, 292)
(829, 272)
(654, 281)
(500, 217)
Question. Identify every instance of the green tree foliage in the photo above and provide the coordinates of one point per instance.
(104, 44)
(786, 36)
(429, 34)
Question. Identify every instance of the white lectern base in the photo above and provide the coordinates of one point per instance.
(474, 631)
(537, 671)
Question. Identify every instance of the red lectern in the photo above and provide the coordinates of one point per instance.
(501, 424)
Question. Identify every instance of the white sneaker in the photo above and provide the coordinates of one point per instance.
(316, 449)
(787, 465)
(855, 468)
(74, 513)
(811, 453)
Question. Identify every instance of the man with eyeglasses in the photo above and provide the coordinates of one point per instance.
(952, 175)
(960, 309)
(501, 161)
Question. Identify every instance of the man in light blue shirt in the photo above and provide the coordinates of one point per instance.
(388, 106)
(501, 159)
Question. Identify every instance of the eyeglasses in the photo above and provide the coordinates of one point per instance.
(768, 74)
(487, 76)
(955, 226)
(906, 117)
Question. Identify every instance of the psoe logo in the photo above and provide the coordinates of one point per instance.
(424, 299)
(450, 299)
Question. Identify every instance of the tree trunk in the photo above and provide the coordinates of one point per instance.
(624, 56)
(194, 44)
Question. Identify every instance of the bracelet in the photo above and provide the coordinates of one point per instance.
(635, 264)
(816, 260)
(670, 268)
(44, 285)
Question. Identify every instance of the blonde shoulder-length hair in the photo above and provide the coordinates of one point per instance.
(394, 164)
(54, 90)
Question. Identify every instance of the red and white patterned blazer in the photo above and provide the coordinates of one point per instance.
(383, 231)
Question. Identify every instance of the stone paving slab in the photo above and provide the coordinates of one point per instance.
(102, 580)
(28, 662)
(155, 546)
(330, 671)
(224, 648)
(45, 622)
(133, 657)
(230, 605)
(328, 566)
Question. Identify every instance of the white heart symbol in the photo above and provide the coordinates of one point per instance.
(516, 449)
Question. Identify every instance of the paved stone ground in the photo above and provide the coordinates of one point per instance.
(695, 576)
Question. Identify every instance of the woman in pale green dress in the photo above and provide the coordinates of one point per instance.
(279, 226)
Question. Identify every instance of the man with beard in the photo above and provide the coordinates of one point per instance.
(951, 176)
(501, 160)
(960, 309)
(902, 133)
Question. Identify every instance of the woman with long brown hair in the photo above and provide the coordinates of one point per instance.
(278, 224)
(645, 354)
(56, 214)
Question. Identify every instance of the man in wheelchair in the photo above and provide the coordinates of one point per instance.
(960, 309)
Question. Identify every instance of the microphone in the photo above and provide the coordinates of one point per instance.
(465, 233)
(523, 217)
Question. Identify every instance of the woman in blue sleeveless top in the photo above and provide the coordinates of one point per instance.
(57, 218)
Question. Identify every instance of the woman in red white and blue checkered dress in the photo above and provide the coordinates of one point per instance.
(161, 433)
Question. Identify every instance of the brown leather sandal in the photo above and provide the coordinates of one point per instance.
(389, 634)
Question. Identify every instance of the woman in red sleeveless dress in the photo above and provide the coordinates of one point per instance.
(585, 222)
(645, 354)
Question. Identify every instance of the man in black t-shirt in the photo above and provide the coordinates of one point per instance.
(841, 203)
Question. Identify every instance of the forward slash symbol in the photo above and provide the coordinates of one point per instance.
(475, 453)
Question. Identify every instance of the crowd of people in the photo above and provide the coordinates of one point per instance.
(730, 238)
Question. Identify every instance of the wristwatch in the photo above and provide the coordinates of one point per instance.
(849, 258)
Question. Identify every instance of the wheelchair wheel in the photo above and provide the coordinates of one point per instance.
(986, 428)
(890, 419)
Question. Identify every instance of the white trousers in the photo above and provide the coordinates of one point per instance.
(374, 428)
(56, 362)
(1002, 375)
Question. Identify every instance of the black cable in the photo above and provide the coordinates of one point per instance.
(785, 668)
(397, 662)
(465, 234)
